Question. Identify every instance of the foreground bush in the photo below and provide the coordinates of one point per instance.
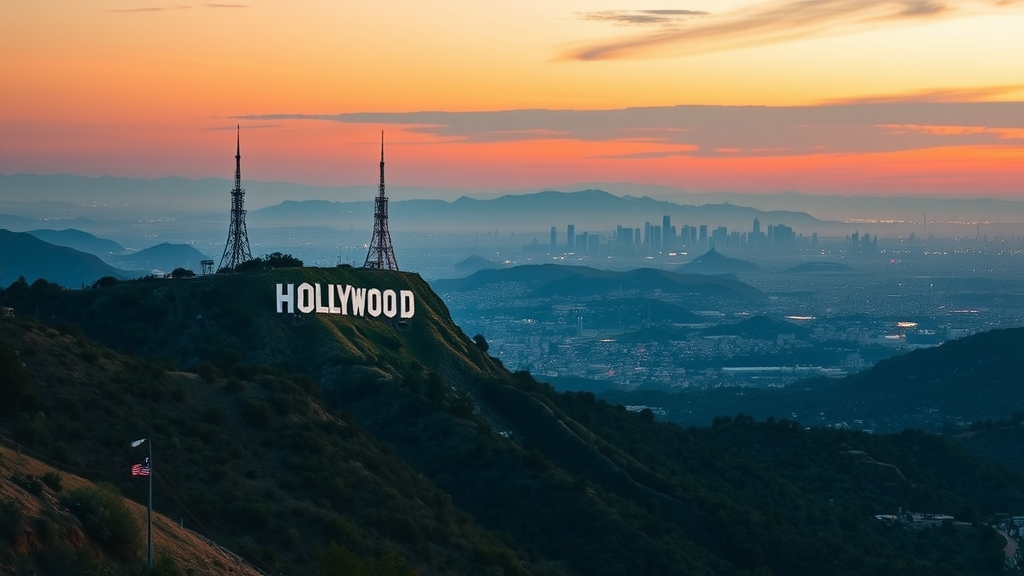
(107, 519)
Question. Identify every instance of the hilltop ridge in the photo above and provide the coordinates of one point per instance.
(288, 434)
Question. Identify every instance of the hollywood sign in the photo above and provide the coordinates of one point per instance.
(344, 300)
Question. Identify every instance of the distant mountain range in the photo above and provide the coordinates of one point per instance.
(108, 196)
(73, 258)
(556, 280)
(22, 254)
(163, 258)
(81, 241)
(593, 210)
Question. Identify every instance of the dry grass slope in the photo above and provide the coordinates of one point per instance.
(192, 553)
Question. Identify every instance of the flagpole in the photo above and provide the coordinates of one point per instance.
(146, 469)
(149, 513)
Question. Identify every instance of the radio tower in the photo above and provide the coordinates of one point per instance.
(381, 254)
(236, 250)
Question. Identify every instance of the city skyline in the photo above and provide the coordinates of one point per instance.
(878, 98)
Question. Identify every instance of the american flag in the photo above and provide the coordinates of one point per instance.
(141, 469)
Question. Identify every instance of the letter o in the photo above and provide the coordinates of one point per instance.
(373, 302)
(390, 303)
(304, 299)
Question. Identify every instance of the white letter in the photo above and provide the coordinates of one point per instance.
(305, 298)
(390, 303)
(373, 302)
(408, 303)
(358, 301)
(343, 296)
(287, 298)
(319, 309)
(331, 308)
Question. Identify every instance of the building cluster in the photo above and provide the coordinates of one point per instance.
(666, 237)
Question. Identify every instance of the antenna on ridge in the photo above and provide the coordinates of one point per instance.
(381, 254)
(237, 249)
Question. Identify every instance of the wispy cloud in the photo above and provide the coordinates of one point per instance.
(715, 131)
(933, 95)
(675, 151)
(774, 21)
(151, 8)
(1001, 133)
(640, 17)
(247, 127)
(226, 5)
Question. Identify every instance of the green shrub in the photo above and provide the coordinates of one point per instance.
(166, 566)
(107, 519)
(89, 355)
(15, 385)
(29, 483)
(11, 517)
(207, 371)
(256, 414)
(214, 415)
(53, 480)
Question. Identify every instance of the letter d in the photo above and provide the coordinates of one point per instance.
(408, 304)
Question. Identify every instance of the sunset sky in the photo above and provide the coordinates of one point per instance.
(851, 97)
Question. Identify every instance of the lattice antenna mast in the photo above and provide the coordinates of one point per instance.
(381, 254)
(237, 249)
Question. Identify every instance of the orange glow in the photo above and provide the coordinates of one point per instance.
(330, 153)
(115, 87)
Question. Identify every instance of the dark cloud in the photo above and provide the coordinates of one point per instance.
(723, 130)
(769, 22)
(640, 17)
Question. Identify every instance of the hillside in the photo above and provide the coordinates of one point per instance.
(163, 258)
(254, 461)
(81, 241)
(22, 254)
(758, 327)
(965, 380)
(405, 441)
(474, 263)
(226, 319)
(40, 534)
